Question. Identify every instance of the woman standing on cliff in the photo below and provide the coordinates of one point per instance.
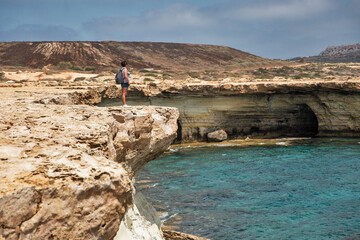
(125, 83)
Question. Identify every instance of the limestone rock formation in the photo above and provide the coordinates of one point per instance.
(173, 235)
(217, 136)
(67, 170)
(343, 53)
(141, 222)
(257, 110)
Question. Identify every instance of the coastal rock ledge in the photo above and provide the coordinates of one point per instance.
(67, 171)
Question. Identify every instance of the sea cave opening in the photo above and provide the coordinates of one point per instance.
(287, 121)
(306, 124)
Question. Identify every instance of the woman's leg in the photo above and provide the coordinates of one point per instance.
(123, 96)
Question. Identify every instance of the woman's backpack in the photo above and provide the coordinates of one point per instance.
(119, 77)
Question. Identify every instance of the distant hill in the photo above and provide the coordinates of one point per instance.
(344, 53)
(109, 54)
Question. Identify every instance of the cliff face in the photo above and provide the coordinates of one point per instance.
(343, 53)
(262, 110)
(67, 170)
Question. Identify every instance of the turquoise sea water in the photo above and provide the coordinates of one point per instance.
(309, 190)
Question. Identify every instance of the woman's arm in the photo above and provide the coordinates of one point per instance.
(126, 75)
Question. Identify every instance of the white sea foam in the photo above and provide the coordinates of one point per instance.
(223, 145)
(281, 143)
(163, 215)
(167, 217)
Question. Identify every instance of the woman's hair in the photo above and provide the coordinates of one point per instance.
(123, 63)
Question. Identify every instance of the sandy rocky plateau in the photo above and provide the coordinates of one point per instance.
(68, 167)
(242, 107)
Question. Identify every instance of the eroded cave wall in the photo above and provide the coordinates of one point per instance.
(264, 115)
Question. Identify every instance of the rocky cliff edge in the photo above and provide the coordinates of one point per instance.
(67, 170)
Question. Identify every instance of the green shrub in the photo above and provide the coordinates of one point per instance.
(114, 71)
(166, 76)
(148, 80)
(2, 74)
(150, 75)
(302, 75)
(144, 71)
(89, 69)
(99, 75)
(234, 75)
(193, 74)
(79, 79)
(18, 65)
(262, 70)
(64, 65)
(264, 77)
(76, 68)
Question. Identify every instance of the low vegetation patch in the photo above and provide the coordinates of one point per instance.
(264, 77)
(76, 68)
(150, 75)
(90, 69)
(148, 80)
(193, 74)
(311, 71)
(79, 79)
(166, 76)
(64, 65)
(303, 75)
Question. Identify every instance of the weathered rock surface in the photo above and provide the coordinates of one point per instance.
(262, 110)
(343, 53)
(173, 235)
(217, 136)
(67, 170)
(141, 222)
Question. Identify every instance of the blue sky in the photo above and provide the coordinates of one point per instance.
(268, 28)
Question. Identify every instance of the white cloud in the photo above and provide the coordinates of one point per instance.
(173, 17)
(177, 15)
(277, 10)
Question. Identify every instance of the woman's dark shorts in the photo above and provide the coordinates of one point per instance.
(125, 85)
